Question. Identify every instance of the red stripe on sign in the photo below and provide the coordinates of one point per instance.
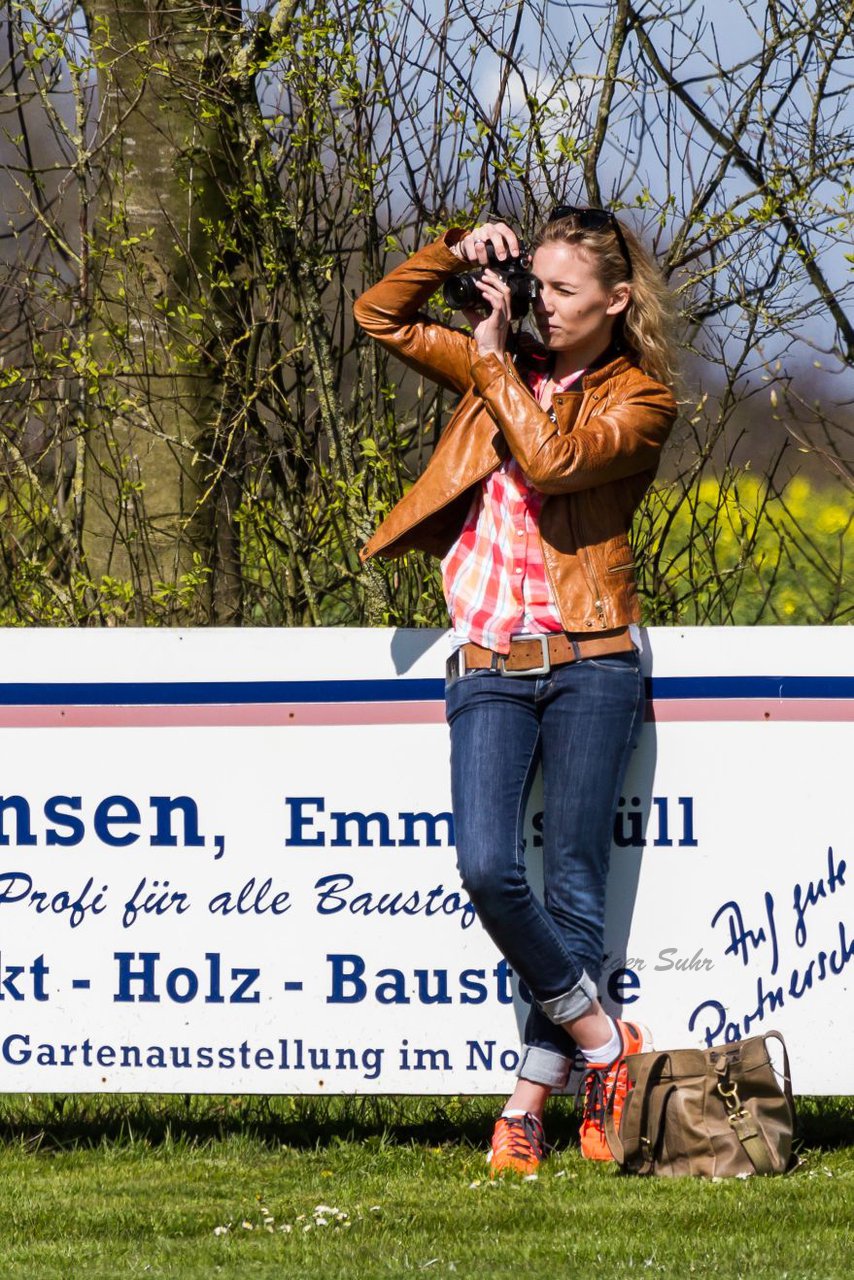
(716, 709)
(261, 714)
(257, 714)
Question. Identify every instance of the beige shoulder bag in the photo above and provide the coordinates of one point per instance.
(718, 1112)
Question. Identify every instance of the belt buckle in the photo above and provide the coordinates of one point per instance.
(456, 664)
(543, 670)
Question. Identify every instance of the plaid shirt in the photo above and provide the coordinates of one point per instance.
(494, 576)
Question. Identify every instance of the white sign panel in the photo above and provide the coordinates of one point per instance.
(227, 862)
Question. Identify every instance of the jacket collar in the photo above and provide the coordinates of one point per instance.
(529, 353)
(614, 363)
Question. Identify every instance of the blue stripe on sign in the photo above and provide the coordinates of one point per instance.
(214, 693)
(752, 686)
(181, 693)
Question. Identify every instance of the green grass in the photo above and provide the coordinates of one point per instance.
(105, 1187)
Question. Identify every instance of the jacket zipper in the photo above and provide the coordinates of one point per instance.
(587, 562)
(555, 595)
(591, 572)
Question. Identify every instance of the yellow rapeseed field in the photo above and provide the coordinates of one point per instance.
(732, 552)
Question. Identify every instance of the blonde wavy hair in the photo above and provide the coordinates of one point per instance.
(645, 330)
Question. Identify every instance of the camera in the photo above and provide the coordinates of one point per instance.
(461, 291)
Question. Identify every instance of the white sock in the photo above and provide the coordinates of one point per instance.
(510, 1112)
(606, 1052)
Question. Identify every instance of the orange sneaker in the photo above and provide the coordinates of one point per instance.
(601, 1081)
(518, 1144)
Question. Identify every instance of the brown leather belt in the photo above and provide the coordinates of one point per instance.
(536, 655)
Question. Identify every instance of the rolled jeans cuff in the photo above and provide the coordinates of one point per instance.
(571, 1004)
(544, 1066)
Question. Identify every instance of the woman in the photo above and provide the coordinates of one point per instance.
(528, 498)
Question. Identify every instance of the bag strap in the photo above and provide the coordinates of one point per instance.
(743, 1126)
(634, 1144)
(787, 1075)
(741, 1121)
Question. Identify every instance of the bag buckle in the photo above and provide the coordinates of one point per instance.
(731, 1100)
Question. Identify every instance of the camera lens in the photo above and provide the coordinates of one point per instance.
(460, 291)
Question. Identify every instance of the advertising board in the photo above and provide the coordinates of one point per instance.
(227, 862)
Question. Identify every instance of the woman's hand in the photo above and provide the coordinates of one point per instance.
(490, 324)
(472, 247)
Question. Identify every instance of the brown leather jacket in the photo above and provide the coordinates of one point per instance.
(594, 464)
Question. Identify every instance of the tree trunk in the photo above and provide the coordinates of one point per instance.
(161, 483)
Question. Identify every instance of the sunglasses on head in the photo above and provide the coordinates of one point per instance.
(596, 220)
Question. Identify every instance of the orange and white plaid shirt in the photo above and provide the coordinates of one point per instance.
(494, 576)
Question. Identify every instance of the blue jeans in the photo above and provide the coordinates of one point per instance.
(581, 721)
